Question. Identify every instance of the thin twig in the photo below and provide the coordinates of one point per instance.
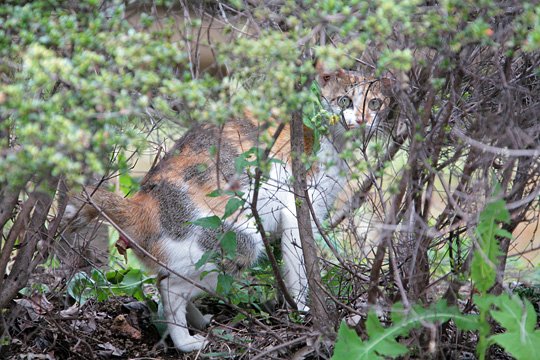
(284, 345)
(255, 212)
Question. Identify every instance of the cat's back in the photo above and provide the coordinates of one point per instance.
(201, 161)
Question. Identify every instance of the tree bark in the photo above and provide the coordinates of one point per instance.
(24, 264)
(321, 317)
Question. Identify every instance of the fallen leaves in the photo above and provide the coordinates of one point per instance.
(124, 328)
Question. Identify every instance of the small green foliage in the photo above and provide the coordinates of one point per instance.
(254, 158)
(215, 193)
(247, 159)
(228, 244)
(127, 184)
(100, 286)
(205, 258)
(315, 117)
(5, 340)
(34, 288)
(82, 287)
(242, 291)
(131, 284)
(383, 342)
(232, 206)
(334, 278)
(530, 292)
(224, 284)
(483, 267)
(519, 318)
(349, 345)
(210, 222)
(401, 60)
(385, 345)
(52, 262)
(516, 315)
(77, 80)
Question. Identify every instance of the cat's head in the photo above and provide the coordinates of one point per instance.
(357, 99)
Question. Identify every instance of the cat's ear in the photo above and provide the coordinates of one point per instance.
(323, 75)
(387, 86)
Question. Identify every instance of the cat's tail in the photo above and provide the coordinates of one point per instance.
(137, 216)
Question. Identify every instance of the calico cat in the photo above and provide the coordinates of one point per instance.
(159, 217)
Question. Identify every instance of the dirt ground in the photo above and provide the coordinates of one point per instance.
(124, 328)
(53, 326)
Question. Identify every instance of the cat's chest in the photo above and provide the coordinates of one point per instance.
(328, 179)
(325, 179)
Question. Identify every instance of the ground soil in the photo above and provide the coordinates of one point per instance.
(54, 327)
(124, 328)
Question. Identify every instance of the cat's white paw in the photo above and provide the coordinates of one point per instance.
(207, 319)
(70, 212)
(302, 307)
(70, 218)
(190, 343)
(76, 215)
(301, 302)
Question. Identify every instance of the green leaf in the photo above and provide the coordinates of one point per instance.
(210, 222)
(398, 313)
(386, 344)
(228, 244)
(466, 322)
(518, 316)
(127, 184)
(239, 317)
(485, 258)
(224, 284)
(383, 342)
(494, 210)
(81, 287)
(132, 278)
(115, 276)
(246, 159)
(204, 259)
(215, 193)
(232, 205)
(484, 301)
(522, 348)
(131, 284)
(348, 344)
(102, 287)
(37, 287)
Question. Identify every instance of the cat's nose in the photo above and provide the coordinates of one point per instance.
(363, 118)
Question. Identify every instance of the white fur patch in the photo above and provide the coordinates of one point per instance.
(176, 292)
(70, 212)
(350, 117)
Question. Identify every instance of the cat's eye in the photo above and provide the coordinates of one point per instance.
(374, 104)
(344, 102)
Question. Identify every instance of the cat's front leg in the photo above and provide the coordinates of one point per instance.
(293, 259)
(175, 295)
(195, 318)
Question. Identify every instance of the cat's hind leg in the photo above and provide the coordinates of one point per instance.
(179, 286)
(176, 294)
